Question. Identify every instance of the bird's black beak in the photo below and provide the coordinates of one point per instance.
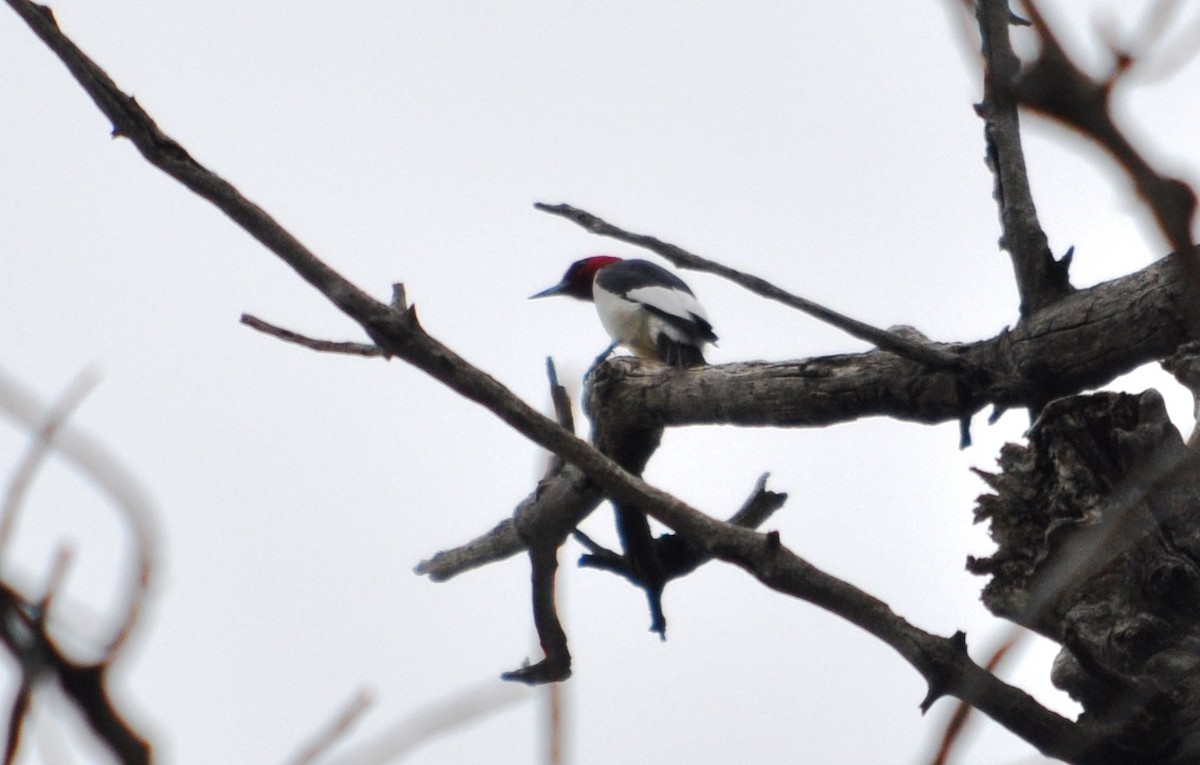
(557, 289)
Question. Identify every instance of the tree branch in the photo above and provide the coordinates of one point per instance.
(1053, 85)
(84, 684)
(1083, 341)
(542, 541)
(1040, 279)
(677, 556)
(324, 346)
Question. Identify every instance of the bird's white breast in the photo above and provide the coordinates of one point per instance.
(626, 321)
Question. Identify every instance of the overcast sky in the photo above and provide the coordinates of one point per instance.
(830, 147)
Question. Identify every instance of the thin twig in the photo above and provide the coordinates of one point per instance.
(39, 446)
(17, 716)
(423, 724)
(325, 346)
(678, 557)
(1055, 86)
(335, 730)
(58, 573)
(116, 482)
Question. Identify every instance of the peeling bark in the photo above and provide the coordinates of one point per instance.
(1096, 520)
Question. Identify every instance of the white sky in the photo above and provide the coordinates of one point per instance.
(830, 147)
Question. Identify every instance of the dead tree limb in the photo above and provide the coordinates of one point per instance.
(1041, 280)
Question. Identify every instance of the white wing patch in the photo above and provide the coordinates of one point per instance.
(672, 301)
(627, 321)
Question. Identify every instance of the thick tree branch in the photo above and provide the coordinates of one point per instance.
(1083, 341)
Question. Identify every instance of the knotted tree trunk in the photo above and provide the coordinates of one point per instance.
(1097, 519)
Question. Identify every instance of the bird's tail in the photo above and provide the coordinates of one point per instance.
(679, 354)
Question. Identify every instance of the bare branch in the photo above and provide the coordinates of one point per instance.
(556, 664)
(116, 482)
(677, 556)
(23, 623)
(543, 541)
(407, 734)
(58, 573)
(337, 729)
(326, 346)
(84, 684)
(500, 543)
(954, 728)
(1083, 341)
(16, 717)
(1053, 85)
(1040, 279)
(39, 446)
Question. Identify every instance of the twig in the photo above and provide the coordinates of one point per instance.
(39, 446)
(84, 684)
(1053, 85)
(678, 557)
(419, 727)
(325, 346)
(26, 637)
(33, 660)
(115, 481)
(335, 730)
(17, 716)
(562, 407)
(58, 573)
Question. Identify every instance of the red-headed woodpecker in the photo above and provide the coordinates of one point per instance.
(643, 307)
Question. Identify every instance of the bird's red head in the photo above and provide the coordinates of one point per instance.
(577, 281)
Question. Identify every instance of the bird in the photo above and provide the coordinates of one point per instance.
(643, 307)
